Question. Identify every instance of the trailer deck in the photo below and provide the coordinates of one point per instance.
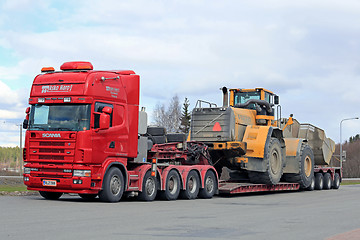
(226, 187)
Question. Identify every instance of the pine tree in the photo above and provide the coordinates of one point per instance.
(185, 117)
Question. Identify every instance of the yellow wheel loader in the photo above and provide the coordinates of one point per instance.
(248, 136)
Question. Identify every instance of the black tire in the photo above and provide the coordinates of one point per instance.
(327, 181)
(210, 185)
(88, 197)
(158, 139)
(113, 186)
(172, 186)
(311, 187)
(175, 137)
(156, 131)
(306, 165)
(149, 188)
(192, 186)
(51, 195)
(275, 163)
(319, 181)
(337, 180)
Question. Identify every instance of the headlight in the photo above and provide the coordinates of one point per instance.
(26, 170)
(82, 173)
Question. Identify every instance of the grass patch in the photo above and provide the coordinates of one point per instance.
(9, 188)
(349, 182)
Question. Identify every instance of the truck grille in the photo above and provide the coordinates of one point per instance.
(45, 150)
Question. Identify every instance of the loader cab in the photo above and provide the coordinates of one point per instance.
(259, 99)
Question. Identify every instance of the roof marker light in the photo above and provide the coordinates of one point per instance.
(76, 66)
(47, 69)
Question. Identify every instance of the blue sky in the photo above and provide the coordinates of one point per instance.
(308, 52)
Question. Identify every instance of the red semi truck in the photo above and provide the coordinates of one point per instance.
(86, 135)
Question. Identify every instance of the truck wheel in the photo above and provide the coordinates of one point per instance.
(88, 197)
(319, 181)
(306, 165)
(312, 184)
(327, 181)
(172, 186)
(210, 185)
(336, 184)
(50, 195)
(149, 188)
(113, 186)
(275, 163)
(192, 186)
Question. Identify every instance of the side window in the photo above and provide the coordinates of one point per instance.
(98, 109)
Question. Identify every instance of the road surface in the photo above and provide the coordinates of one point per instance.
(291, 215)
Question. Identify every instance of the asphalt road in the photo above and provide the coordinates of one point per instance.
(290, 215)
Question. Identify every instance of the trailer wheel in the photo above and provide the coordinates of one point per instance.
(88, 197)
(336, 184)
(149, 188)
(192, 186)
(306, 173)
(172, 186)
(319, 181)
(312, 184)
(113, 186)
(275, 162)
(327, 181)
(210, 185)
(51, 195)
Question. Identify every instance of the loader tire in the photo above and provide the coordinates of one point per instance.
(275, 164)
(306, 165)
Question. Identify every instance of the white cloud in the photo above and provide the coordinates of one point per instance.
(306, 51)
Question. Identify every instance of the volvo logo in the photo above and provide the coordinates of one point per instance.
(51, 135)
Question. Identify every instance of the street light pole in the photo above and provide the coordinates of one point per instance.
(341, 153)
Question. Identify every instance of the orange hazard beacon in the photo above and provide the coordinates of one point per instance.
(86, 135)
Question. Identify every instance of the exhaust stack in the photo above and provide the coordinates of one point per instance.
(225, 96)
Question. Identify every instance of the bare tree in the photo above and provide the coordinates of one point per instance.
(168, 116)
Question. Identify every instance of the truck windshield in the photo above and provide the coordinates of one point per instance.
(60, 117)
(243, 97)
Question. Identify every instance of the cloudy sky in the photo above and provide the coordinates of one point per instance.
(308, 52)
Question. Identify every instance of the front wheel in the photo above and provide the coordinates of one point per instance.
(88, 197)
(210, 185)
(51, 195)
(113, 186)
(149, 188)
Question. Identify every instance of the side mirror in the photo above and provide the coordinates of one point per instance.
(26, 120)
(25, 124)
(104, 122)
(276, 100)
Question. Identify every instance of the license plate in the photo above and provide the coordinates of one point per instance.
(49, 183)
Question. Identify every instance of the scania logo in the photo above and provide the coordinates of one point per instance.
(52, 135)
